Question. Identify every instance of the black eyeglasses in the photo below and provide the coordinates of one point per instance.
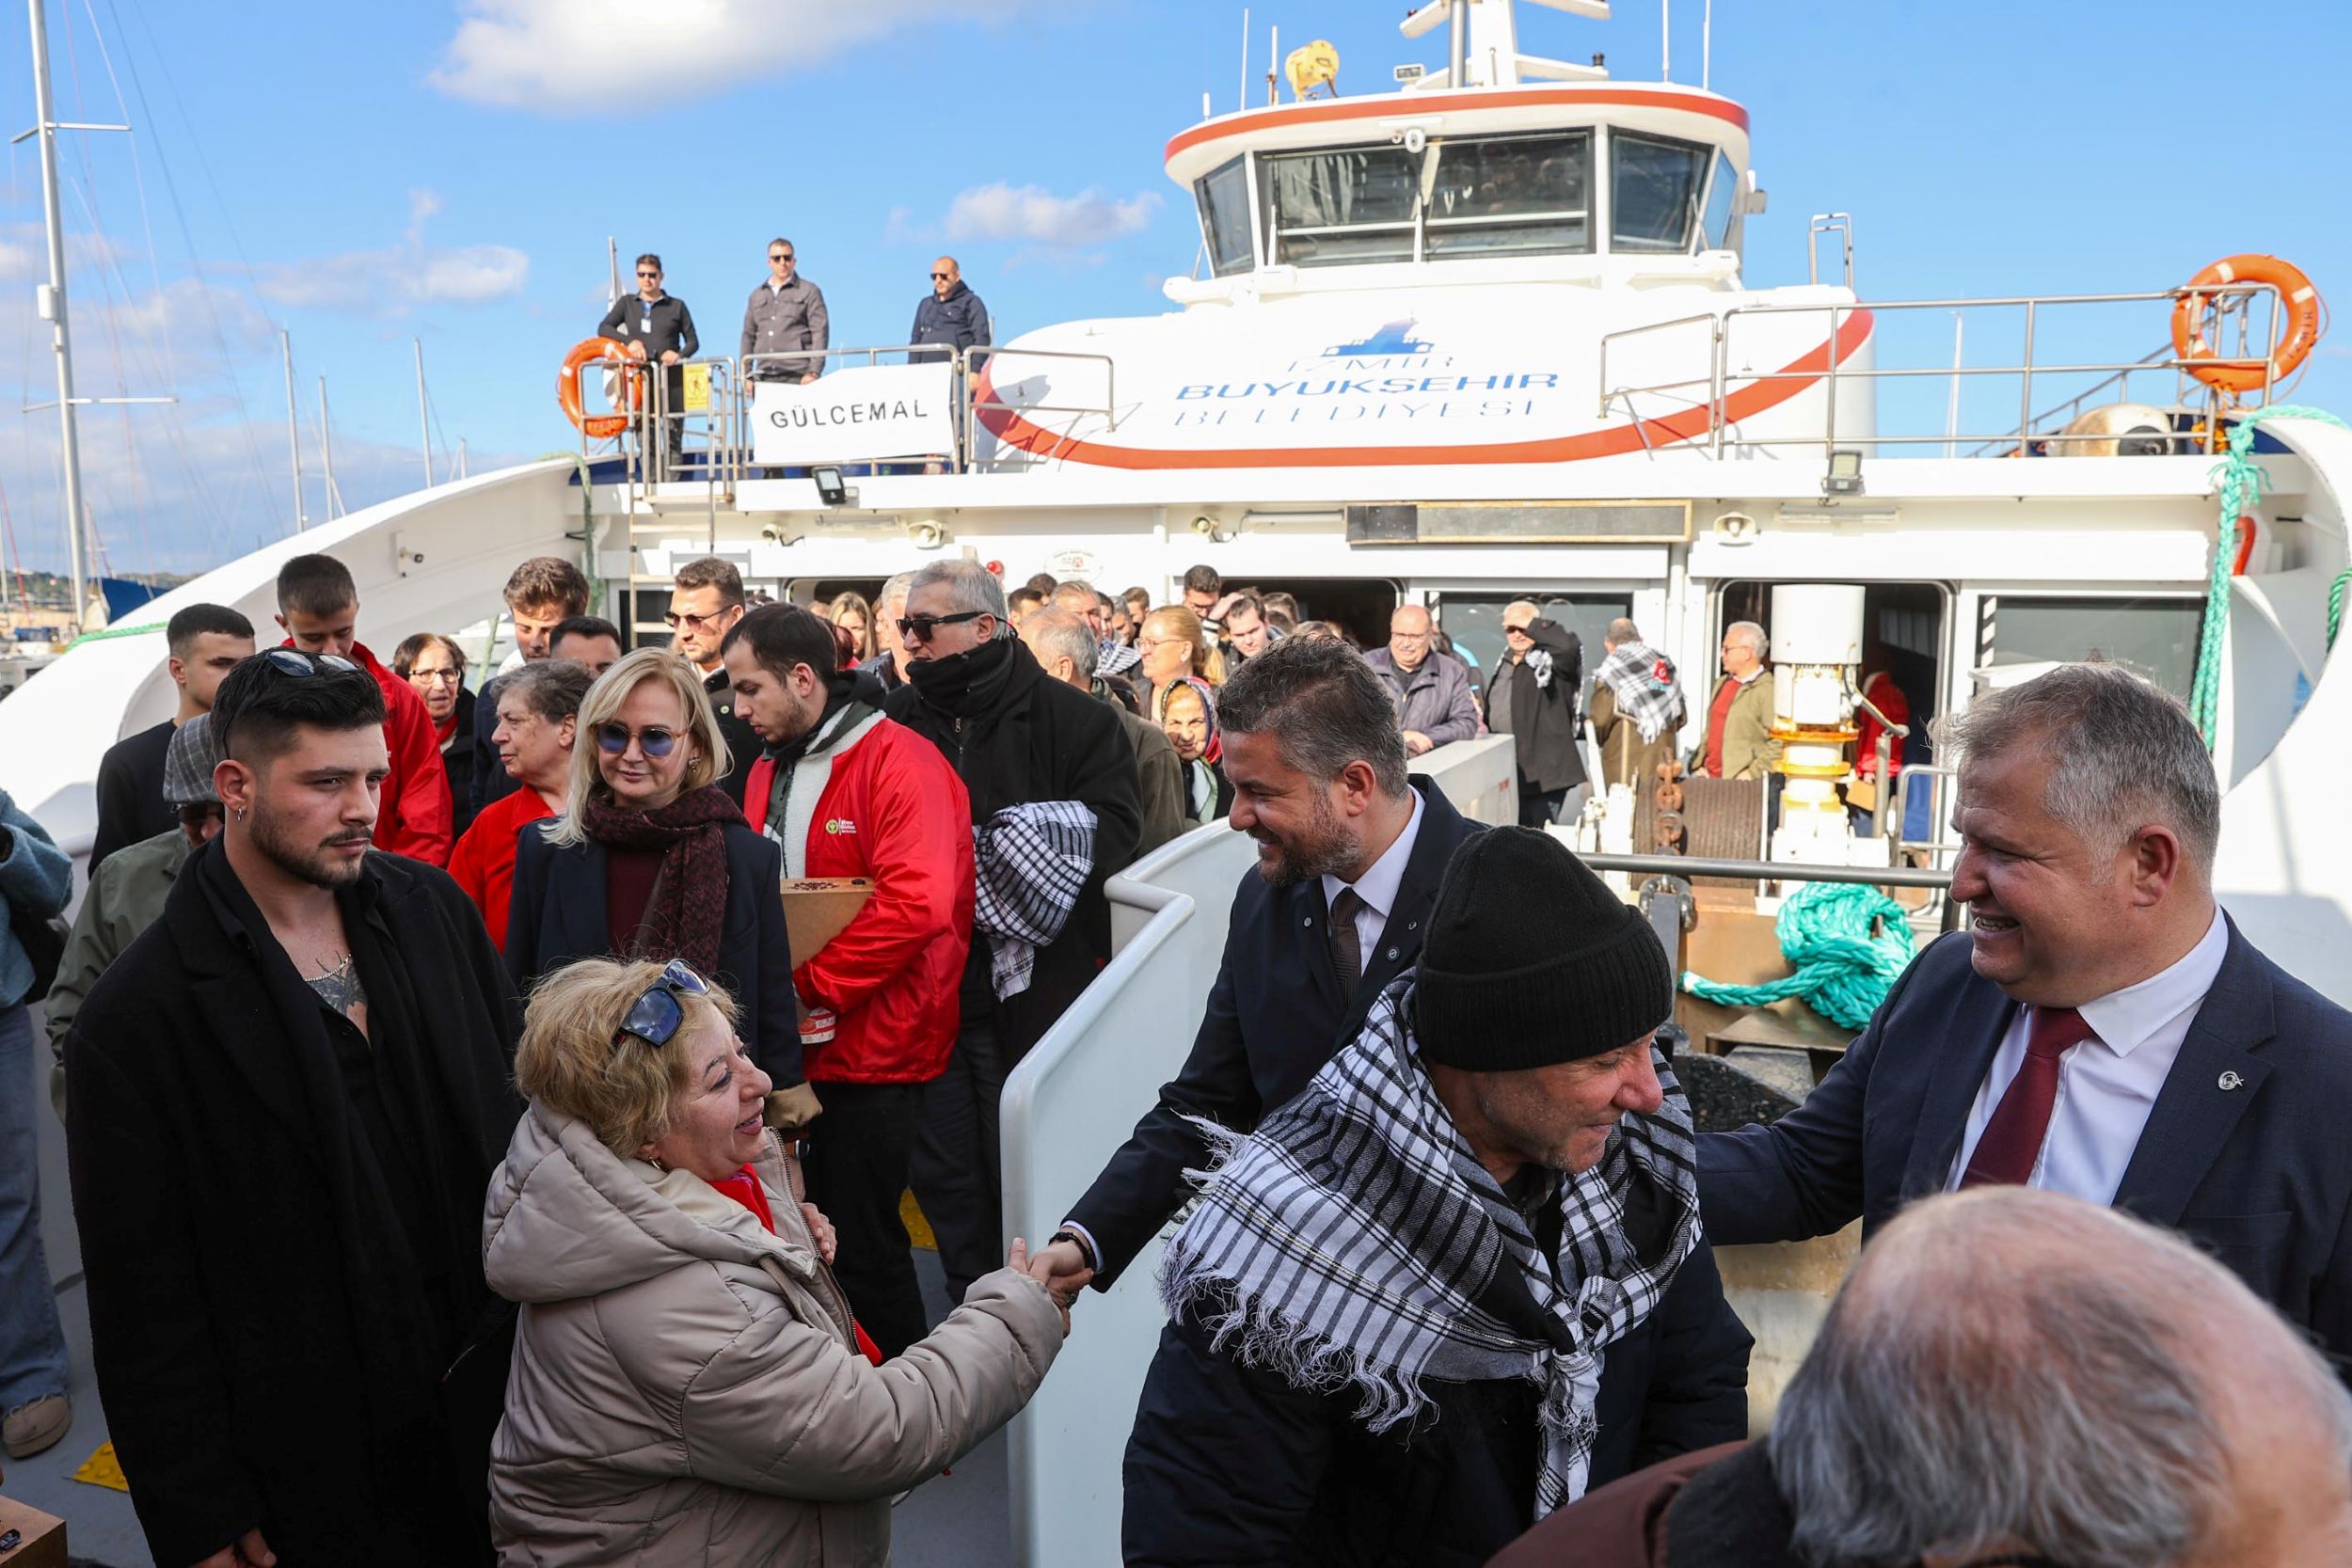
(612, 740)
(939, 275)
(656, 1016)
(920, 627)
(648, 274)
(778, 256)
(294, 662)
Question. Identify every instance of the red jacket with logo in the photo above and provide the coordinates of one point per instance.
(414, 815)
(875, 799)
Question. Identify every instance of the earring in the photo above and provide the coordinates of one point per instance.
(658, 1165)
(240, 814)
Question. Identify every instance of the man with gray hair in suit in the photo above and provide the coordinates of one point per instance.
(2102, 1028)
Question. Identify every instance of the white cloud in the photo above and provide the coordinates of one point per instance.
(1031, 212)
(596, 56)
(391, 280)
(183, 301)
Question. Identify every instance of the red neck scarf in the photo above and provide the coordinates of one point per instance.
(745, 1187)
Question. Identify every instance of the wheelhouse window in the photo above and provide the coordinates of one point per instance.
(1519, 195)
(1355, 205)
(1224, 197)
(1721, 187)
(1654, 193)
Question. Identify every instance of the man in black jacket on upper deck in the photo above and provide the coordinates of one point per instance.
(1017, 738)
(664, 327)
(1317, 765)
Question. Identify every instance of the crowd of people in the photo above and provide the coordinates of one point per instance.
(439, 1074)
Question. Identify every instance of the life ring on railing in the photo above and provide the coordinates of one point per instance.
(2299, 301)
(611, 350)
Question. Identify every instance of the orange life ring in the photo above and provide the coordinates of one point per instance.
(2300, 303)
(613, 352)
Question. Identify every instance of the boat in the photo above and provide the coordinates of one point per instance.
(1482, 337)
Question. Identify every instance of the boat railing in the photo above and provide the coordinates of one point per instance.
(1048, 442)
(1715, 378)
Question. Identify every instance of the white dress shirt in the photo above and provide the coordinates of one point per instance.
(1377, 887)
(2108, 1085)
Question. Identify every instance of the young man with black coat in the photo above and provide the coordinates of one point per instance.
(1017, 738)
(204, 642)
(286, 1100)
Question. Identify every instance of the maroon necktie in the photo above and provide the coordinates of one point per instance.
(2013, 1139)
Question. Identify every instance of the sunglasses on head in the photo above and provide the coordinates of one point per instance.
(612, 740)
(294, 662)
(921, 626)
(654, 1017)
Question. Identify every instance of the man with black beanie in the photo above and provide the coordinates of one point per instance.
(1460, 1278)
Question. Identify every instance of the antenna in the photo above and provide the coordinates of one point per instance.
(1244, 100)
(1707, 46)
(1665, 41)
(1272, 59)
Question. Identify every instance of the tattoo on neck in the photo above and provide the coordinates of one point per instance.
(338, 985)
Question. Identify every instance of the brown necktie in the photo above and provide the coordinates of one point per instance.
(1347, 950)
(2011, 1142)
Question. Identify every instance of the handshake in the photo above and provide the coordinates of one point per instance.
(1061, 1265)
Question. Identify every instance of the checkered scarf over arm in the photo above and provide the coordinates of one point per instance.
(1641, 680)
(1352, 1241)
(1030, 863)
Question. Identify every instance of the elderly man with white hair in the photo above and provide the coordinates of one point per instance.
(1740, 743)
(2011, 1379)
(890, 665)
(2101, 1029)
(1536, 697)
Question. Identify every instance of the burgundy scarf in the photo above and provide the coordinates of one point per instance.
(686, 913)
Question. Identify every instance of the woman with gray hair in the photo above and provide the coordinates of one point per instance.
(689, 1385)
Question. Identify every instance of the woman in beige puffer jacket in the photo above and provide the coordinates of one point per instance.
(687, 1386)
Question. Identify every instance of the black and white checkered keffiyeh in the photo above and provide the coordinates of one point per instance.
(1642, 681)
(1030, 863)
(1538, 662)
(1352, 1240)
(1114, 657)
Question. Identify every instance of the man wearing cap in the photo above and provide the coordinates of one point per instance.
(127, 893)
(1459, 1278)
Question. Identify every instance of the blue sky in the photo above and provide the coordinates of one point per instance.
(363, 174)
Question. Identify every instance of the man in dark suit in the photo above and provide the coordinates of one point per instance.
(1317, 766)
(2100, 1030)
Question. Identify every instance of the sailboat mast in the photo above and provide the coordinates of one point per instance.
(326, 454)
(294, 437)
(52, 303)
(424, 418)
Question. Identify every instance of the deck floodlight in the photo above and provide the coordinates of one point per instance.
(1845, 473)
(829, 486)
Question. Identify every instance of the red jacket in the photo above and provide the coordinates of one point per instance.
(414, 816)
(483, 862)
(880, 802)
(1880, 688)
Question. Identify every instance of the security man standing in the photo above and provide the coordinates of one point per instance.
(665, 328)
(786, 313)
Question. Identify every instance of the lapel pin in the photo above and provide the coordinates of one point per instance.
(2232, 1081)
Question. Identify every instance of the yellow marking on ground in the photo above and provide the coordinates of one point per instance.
(103, 1469)
(918, 1229)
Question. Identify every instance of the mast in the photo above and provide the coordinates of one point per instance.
(326, 454)
(294, 437)
(424, 420)
(52, 303)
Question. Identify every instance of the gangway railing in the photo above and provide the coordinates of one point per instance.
(977, 357)
(1716, 379)
(1069, 1105)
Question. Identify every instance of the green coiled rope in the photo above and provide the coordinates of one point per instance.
(2241, 481)
(1843, 969)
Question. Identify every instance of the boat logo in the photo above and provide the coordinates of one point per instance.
(1394, 337)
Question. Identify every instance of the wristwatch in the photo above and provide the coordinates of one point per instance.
(1077, 1241)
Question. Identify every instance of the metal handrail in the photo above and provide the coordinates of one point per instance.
(1719, 375)
(1771, 871)
(972, 359)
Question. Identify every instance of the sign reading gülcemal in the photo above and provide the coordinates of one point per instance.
(867, 411)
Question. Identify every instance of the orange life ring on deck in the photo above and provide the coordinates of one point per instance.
(587, 351)
(2300, 304)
